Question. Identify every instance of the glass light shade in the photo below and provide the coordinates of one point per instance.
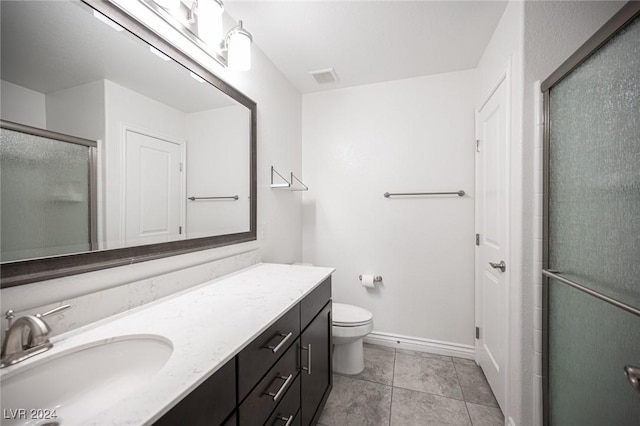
(168, 4)
(210, 22)
(239, 51)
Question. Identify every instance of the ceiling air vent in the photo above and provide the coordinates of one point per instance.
(325, 76)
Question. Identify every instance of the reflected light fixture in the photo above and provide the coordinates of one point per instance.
(204, 20)
(100, 17)
(159, 54)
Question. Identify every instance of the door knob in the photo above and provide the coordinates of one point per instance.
(633, 375)
(502, 266)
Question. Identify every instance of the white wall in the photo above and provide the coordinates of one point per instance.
(553, 31)
(78, 111)
(410, 135)
(22, 105)
(505, 50)
(218, 165)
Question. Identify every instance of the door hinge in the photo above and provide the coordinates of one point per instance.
(477, 332)
(477, 145)
(180, 230)
(477, 239)
(181, 166)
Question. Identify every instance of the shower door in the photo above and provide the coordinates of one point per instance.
(47, 193)
(591, 300)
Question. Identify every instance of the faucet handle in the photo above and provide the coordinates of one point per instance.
(54, 311)
(37, 340)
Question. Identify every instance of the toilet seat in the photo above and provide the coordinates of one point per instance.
(344, 315)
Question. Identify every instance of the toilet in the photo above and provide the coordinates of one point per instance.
(350, 325)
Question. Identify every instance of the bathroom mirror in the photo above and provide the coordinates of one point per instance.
(116, 146)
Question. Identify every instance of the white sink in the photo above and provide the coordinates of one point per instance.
(81, 382)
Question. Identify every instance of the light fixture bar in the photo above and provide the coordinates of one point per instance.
(184, 29)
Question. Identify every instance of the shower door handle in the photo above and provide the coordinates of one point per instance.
(633, 375)
(502, 266)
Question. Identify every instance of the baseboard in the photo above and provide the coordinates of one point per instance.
(421, 345)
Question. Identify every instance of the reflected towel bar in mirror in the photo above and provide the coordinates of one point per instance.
(228, 197)
(403, 194)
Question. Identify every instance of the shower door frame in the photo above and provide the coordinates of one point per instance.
(624, 16)
(92, 146)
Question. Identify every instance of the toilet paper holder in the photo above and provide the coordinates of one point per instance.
(376, 279)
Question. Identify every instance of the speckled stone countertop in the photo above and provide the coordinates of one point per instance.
(207, 326)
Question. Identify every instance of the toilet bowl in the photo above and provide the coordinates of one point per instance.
(350, 325)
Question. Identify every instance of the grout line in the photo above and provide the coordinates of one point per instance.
(358, 378)
(466, 407)
(429, 393)
(393, 377)
(354, 377)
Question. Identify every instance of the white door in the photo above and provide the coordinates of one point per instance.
(492, 226)
(153, 190)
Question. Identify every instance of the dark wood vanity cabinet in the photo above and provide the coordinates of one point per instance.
(316, 365)
(211, 403)
(283, 377)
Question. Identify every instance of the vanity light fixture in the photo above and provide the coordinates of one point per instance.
(203, 24)
(209, 18)
(238, 45)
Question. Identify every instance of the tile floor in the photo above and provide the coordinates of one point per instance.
(405, 388)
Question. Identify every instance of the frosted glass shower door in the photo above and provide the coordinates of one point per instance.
(593, 221)
(47, 201)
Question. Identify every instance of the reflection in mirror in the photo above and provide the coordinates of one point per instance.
(173, 151)
(47, 181)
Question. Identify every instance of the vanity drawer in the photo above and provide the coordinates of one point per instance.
(232, 421)
(271, 389)
(209, 404)
(314, 302)
(256, 359)
(288, 407)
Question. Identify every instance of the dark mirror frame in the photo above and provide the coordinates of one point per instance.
(28, 271)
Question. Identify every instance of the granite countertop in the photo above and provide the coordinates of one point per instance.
(207, 326)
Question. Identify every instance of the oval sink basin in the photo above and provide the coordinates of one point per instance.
(81, 382)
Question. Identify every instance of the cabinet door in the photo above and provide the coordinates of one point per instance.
(209, 404)
(316, 364)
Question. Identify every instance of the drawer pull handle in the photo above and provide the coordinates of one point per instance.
(288, 420)
(278, 394)
(275, 348)
(308, 367)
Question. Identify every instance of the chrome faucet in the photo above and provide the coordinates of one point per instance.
(15, 349)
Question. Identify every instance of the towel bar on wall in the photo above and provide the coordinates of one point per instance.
(394, 194)
(228, 197)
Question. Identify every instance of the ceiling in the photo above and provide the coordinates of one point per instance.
(368, 41)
